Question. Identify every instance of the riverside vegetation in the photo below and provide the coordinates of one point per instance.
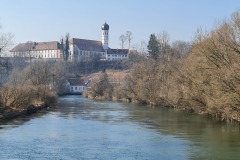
(205, 80)
(29, 88)
(201, 77)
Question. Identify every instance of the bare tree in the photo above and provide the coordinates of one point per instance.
(122, 39)
(200, 35)
(6, 41)
(129, 38)
(5, 44)
(141, 48)
(181, 48)
(163, 41)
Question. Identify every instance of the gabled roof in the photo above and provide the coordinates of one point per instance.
(76, 82)
(117, 51)
(87, 45)
(48, 45)
(34, 46)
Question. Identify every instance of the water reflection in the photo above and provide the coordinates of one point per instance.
(79, 128)
(211, 139)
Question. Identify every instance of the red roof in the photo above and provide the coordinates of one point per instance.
(31, 46)
(87, 45)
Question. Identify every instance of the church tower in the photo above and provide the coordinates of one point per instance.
(105, 29)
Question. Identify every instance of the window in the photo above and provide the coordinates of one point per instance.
(83, 88)
(76, 88)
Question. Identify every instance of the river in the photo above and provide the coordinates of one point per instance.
(80, 128)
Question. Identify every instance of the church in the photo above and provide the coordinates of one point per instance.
(79, 49)
(83, 49)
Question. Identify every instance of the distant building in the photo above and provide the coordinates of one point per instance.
(79, 49)
(117, 54)
(75, 86)
(83, 49)
(45, 50)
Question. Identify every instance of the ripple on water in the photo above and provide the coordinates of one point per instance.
(84, 129)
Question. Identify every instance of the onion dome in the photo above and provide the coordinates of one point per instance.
(105, 26)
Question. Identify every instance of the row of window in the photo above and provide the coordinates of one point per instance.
(48, 56)
(112, 59)
(87, 53)
(115, 55)
(25, 54)
(78, 88)
(44, 51)
(37, 52)
(105, 33)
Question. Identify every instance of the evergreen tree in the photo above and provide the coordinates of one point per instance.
(62, 44)
(153, 47)
(66, 49)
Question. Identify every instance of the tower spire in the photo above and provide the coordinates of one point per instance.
(105, 30)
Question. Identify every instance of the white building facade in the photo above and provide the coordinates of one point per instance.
(84, 50)
(44, 50)
(79, 49)
(76, 86)
(117, 54)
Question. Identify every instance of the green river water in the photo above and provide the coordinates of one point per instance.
(78, 128)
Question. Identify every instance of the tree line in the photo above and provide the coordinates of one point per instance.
(34, 84)
(201, 77)
(25, 83)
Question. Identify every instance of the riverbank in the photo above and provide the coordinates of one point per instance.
(17, 100)
(181, 107)
(9, 113)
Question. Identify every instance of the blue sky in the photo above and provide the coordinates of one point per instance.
(48, 20)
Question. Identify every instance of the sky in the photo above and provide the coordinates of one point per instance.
(49, 20)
